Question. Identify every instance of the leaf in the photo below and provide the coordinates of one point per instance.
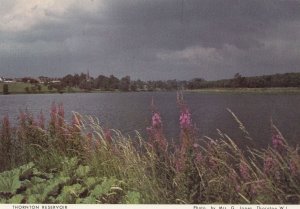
(89, 200)
(32, 199)
(69, 194)
(9, 181)
(26, 171)
(103, 188)
(133, 197)
(83, 171)
(90, 182)
(17, 199)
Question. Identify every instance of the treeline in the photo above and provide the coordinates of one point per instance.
(112, 83)
(239, 81)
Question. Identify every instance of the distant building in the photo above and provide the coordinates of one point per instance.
(1, 79)
(55, 81)
(9, 80)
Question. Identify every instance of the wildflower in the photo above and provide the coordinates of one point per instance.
(185, 120)
(53, 115)
(293, 168)
(277, 141)
(41, 120)
(22, 119)
(156, 120)
(244, 171)
(107, 135)
(268, 165)
(5, 127)
(256, 187)
(156, 133)
(61, 114)
(212, 163)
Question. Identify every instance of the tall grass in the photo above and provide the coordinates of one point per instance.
(151, 170)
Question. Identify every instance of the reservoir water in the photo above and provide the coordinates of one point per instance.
(131, 111)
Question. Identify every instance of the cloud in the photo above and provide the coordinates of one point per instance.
(149, 39)
(25, 14)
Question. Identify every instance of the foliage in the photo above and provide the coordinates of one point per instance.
(239, 81)
(80, 162)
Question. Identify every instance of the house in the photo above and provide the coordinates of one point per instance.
(1, 79)
(55, 81)
(9, 80)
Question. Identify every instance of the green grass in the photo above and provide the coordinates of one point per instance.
(274, 90)
(20, 88)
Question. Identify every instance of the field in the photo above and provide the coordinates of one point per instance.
(25, 88)
(81, 162)
(273, 90)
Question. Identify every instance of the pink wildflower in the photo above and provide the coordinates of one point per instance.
(41, 120)
(268, 165)
(156, 120)
(185, 120)
(277, 141)
(212, 163)
(6, 125)
(22, 119)
(244, 171)
(256, 187)
(61, 114)
(53, 114)
(156, 133)
(107, 135)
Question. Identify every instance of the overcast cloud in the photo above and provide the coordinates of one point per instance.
(149, 39)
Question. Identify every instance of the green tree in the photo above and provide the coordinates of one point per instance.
(125, 84)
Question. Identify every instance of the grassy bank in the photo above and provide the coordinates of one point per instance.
(27, 88)
(275, 90)
(81, 162)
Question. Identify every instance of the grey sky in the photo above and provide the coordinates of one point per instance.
(149, 39)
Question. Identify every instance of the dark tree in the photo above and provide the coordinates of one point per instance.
(125, 84)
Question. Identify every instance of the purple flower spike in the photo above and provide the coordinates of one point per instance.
(277, 142)
(268, 165)
(185, 120)
(244, 171)
(156, 120)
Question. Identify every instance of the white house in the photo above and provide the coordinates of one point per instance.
(9, 80)
(1, 79)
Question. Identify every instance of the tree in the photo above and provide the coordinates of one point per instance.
(5, 88)
(238, 80)
(68, 80)
(133, 86)
(125, 84)
(113, 82)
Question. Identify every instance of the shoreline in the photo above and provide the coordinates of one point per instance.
(271, 90)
